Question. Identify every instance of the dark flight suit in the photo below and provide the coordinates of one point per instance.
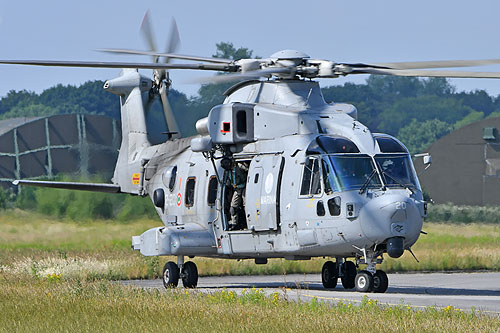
(238, 180)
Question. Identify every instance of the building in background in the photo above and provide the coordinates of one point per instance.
(465, 166)
(42, 147)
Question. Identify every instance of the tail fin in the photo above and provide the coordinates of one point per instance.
(129, 166)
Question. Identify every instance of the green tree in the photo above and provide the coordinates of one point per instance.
(421, 108)
(226, 50)
(212, 94)
(472, 117)
(418, 136)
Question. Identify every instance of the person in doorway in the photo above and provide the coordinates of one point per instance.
(238, 181)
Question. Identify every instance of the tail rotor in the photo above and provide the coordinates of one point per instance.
(161, 79)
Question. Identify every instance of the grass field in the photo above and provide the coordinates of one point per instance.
(54, 275)
(37, 245)
(53, 304)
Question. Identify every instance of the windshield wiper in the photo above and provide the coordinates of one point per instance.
(367, 182)
(398, 182)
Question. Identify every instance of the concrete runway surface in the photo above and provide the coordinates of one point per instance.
(466, 291)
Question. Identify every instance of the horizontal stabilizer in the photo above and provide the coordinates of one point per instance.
(94, 187)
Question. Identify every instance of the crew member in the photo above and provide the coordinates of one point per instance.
(238, 181)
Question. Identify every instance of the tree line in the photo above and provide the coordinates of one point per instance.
(417, 111)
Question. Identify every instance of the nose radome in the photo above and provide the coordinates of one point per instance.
(391, 215)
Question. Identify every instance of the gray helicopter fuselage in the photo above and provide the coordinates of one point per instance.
(315, 183)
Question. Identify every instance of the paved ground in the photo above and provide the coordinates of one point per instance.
(465, 291)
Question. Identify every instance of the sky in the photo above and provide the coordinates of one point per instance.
(343, 31)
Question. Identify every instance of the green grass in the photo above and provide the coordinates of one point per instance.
(47, 305)
(37, 245)
(54, 273)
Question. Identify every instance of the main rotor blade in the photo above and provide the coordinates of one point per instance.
(425, 73)
(103, 64)
(168, 55)
(244, 76)
(167, 111)
(429, 64)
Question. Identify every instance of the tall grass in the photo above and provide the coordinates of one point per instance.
(451, 213)
(37, 245)
(53, 304)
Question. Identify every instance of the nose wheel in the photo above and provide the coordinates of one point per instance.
(380, 282)
(369, 280)
(364, 281)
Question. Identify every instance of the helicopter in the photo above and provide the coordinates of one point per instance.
(274, 172)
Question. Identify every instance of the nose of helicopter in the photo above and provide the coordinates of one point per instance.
(394, 218)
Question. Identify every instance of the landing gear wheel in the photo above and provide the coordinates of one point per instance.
(380, 282)
(170, 275)
(329, 275)
(364, 281)
(189, 275)
(349, 272)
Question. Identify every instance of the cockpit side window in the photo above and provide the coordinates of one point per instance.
(316, 178)
(326, 177)
(306, 177)
(311, 178)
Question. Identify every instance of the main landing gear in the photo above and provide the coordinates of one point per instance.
(188, 272)
(369, 280)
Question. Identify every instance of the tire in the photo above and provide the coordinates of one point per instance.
(189, 275)
(380, 282)
(349, 272)
(170, 275)
(329, 275)
(364, 282)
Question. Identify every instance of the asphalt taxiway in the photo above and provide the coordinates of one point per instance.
(466, 291)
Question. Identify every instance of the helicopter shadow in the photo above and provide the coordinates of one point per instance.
(408, 290)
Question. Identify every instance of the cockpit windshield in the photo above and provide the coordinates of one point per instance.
(397, 170)
(350, 172)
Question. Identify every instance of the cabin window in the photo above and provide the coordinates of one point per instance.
(311, 178)
(334, 206)
(320, 208)
(212, 191)
(169, 176)
(189, 195)
(173, 176)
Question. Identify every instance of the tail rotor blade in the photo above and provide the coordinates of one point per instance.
(147, 32)
(173, 44)
(174, 40)
(169, 115)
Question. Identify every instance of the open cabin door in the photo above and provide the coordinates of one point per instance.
(263, 192)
